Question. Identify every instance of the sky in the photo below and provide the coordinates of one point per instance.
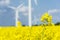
(39, 7)
(8, 11)
(42, 6)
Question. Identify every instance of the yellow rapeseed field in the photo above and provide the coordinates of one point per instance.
(30, 33)
(43, 32)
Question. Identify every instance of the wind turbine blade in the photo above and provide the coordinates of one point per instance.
(12, 7)
(35, 2)
(20, 5)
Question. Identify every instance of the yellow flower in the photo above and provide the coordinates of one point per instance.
(19, 24)
(47, 19)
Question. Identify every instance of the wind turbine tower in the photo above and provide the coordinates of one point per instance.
(16, 12)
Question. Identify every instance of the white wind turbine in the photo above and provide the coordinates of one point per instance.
(30, 7)
(17, 11)
(30, 13)
(35, 20)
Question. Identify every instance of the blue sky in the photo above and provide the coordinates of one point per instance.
(7, 14)
(39, 8)
(44, 6)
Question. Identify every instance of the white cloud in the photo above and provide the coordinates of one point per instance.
(4, 2)
(53, 11)
(55, 14)
(7, 1)
(22, 8)
(25, 10)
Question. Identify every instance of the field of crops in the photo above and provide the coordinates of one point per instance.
(30, 33)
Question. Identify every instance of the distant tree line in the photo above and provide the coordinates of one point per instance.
(58, 23)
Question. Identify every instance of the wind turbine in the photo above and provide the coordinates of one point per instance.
(30, 7)
(17, 11)
(30, 13)
(35, 20)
